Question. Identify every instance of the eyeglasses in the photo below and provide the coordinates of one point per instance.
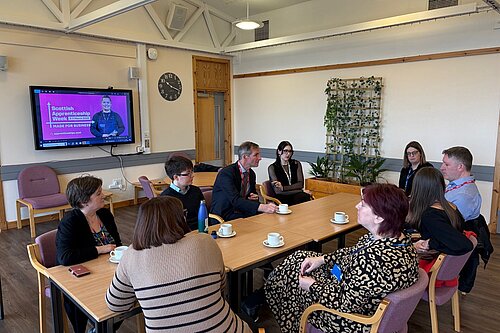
(412, 153)
(287, 151)
(189, 174)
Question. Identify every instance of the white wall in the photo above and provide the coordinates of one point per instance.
(440, 103)
(46, 58)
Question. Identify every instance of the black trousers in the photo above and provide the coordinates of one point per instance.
(77, 318)
(468, 273)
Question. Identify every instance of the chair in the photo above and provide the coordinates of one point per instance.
(207, 194)
(264, 191)
(391, 315)
(42, 256)
(446, 267)
(148, 187)
(39, 191)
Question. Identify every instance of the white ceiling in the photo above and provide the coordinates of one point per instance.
(237, 8)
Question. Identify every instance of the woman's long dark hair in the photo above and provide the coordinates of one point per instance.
(428, 189)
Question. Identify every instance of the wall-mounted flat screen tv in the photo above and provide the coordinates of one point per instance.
(66, 117)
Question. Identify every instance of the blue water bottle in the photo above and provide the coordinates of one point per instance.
(203, 217)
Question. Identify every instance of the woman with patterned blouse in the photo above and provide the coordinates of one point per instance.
(84, 233)
(353, 279)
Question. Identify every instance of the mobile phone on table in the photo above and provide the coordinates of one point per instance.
(79, 270)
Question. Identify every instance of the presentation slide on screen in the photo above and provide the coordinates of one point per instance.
(70, 116)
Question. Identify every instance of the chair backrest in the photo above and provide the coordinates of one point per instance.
(452, 265)
(402, 304)
(268, 187)
(208, 198)
(47, 245)
(37, 181)
(147, 187)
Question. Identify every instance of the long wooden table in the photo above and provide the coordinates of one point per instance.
(309, 223)
(87, 292)
(200, 179)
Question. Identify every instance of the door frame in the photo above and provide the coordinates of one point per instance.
(495, 194)
(225, 88)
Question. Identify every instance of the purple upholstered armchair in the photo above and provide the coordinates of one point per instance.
(39, 190)
(149, 189)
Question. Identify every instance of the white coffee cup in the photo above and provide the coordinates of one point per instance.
(274, 238)
(226, 229)
(340, 217)
(117, 253)
(283, 208)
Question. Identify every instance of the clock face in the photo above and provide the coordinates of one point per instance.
(170, 86)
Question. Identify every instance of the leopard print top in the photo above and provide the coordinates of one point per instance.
(371, 269)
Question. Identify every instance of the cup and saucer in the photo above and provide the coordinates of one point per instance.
(340, 218)
(116, 255)
(226, 231)
(274, 239)
(283, 209)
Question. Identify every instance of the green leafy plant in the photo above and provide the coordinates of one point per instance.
(322, 167)
(365, 170)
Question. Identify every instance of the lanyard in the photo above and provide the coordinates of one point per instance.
(288, 174)
(408, 176)
(472, 181)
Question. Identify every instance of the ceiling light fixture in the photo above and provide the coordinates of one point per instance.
(248, 24)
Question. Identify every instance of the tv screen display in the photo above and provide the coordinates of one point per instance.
(66, 117)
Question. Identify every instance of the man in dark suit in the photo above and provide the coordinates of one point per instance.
(234, 194)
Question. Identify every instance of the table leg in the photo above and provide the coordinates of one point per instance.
(104, 326)
(341, 242)
(1, 300)
(235, 291)
(136, 193)
(57, 308)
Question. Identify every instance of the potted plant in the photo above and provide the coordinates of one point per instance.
(322, 167)
(365, 170)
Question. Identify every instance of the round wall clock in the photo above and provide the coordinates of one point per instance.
(170, 86)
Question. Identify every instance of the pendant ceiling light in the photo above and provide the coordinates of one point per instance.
(247, 24)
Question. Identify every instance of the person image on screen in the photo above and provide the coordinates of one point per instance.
(177, 276)
(106, 123)
(286, 176)
(84, 233)
(351, 279)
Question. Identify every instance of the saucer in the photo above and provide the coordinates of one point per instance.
(265, 243)
(285, 213)
(226, 236)
(344, 222)
(113, 260)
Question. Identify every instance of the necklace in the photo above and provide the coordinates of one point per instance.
(287, 173)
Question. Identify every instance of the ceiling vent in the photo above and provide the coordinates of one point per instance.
(263, 32)
(176, 18)
(435, 4)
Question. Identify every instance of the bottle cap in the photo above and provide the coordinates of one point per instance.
(214, 234)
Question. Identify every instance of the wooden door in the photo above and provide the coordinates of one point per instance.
(205, 136)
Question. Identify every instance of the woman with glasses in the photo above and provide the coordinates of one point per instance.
(286, 176)
(413, 160)
(84, 233)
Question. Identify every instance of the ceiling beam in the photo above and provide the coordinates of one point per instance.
(101, 14)
(53, 9)
(79, 9)
(494, 4)
(360, 27)
(158, 22)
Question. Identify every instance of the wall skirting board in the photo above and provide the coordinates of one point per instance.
(10, 172)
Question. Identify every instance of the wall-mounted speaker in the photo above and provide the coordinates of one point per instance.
(176, 17)
(3, 63)
(133, 73)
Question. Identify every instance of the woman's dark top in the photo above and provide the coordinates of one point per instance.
(407, 174)
(436, 226)
(75, 241)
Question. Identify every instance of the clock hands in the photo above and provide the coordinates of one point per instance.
(171, 86)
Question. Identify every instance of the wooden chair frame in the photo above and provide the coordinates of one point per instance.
(261, 190)
(373, 320)
(35, 258)
(33, 211)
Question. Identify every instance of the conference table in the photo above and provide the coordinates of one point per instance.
(308, 224)
(87, 292)
(200, 179)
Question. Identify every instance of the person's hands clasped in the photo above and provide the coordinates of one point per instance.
(421, 245)
(277, 185)
(305, 282)
(105, 248)
(310, 264)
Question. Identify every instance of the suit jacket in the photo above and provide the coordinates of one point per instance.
(226, 199)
